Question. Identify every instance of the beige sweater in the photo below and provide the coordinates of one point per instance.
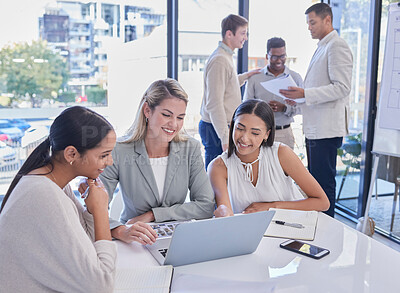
(221, 94)
(327, 88)
(46, 242)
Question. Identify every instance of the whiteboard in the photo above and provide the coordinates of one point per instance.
(387, 127)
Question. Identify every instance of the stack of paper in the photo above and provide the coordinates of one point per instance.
(144, 280)
(306, 218)
(281, 83)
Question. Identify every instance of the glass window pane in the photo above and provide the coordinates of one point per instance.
(103, 55)
(265, 24)
(384, 210)
(350, 19)
(133, 64)
(354, 28)
(199, 33)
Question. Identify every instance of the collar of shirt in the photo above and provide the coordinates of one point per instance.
(225, 47)
(327, 38)
(266, 71)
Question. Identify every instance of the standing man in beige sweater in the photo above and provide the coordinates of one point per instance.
(222, 87)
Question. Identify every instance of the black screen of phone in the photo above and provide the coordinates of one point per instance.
(304, 247)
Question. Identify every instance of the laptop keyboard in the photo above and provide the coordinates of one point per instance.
(165, 230)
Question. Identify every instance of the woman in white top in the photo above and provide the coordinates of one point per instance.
(49, 242)
(156, 165)
(256, 174)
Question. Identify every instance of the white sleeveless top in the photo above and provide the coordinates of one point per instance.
(272, 184)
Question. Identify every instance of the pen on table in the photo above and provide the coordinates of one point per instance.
(294, 225)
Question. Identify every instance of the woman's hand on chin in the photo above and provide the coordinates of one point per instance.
(223, 211)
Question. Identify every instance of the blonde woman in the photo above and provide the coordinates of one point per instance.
(156, 165)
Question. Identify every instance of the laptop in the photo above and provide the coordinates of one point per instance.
(211, 239)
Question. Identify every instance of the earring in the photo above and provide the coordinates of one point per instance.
(147, 120)
(71, 163)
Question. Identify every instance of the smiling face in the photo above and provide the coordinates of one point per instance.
(237, 40)
(92, 163)
(165, 120)
(248, 134)
(319, 27)
(277, 59)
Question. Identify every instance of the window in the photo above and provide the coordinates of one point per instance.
(352, 18)
(199, 28)
(271, 19)
(135, 64)
(383, 210)
(100, 45)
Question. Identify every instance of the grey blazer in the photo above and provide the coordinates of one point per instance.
(185, 171)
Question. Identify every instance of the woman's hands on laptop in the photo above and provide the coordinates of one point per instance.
(139, 232)
(223, 211)
(135, 230)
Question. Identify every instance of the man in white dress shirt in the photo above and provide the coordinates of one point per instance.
(276, 68)
(327, 86)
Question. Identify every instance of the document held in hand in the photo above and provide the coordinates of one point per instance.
(281, 83)
(307, 219)
(144, 280)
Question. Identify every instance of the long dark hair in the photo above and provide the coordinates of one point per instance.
(262, 110)
(77, 126)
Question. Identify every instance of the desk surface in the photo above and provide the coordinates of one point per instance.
(356, 263)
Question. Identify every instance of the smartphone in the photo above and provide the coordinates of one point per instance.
(305, 248)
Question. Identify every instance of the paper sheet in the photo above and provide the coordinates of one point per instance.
(143, 280)
(281, 83)
(307, 218)
(200, 284)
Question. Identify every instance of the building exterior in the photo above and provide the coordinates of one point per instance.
(83, 32)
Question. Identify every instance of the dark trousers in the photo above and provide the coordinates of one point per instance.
(210, 140)
(321, 157)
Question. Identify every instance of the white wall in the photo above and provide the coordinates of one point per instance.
(132, 67)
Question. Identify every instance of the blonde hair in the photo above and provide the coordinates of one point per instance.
(157, 92)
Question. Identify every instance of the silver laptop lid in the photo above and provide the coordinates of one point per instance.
(217, 238)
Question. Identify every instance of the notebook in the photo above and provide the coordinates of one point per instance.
(143, 280)
(211, 239)
(306, 218)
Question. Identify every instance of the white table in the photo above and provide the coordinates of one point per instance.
(356, 263)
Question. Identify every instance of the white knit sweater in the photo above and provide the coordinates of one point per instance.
(46, 242)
